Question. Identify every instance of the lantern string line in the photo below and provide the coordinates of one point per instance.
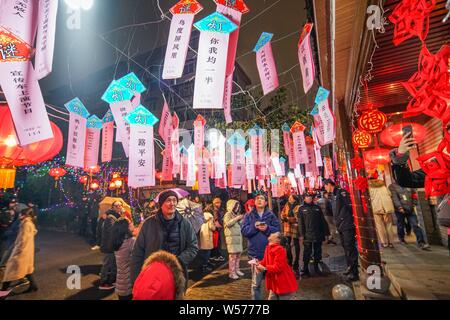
(368, 76)
(260, 13)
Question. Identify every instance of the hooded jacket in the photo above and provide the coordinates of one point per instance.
(380, 197)
(151, 238)
(257, 240)
(280, 278)
(206, 232)
(106, 243)
(162, 278)
(232, 224)
(402, 197)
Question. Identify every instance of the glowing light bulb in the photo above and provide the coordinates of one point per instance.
(11, 141)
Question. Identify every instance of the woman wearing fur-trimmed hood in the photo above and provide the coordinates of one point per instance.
(161, 278)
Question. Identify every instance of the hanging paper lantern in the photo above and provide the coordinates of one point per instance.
(57, 173)
(94, 185)
(372, 121)
(83, 179)
(116, 175)
(14, 155)
(118, 183)
(392, 135)
(92, 170)
(361, 139)
(112, 186)
(377, 155)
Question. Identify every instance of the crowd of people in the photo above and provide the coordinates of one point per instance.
(150, 260)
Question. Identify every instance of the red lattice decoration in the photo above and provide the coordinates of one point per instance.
(361, 139)
(411, 18)
(430, 85)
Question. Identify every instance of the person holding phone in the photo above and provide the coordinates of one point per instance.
(399, 157)
(257, 226)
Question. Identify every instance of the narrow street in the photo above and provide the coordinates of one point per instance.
(58, 250)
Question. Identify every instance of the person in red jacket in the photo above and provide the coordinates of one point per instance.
(280, 279)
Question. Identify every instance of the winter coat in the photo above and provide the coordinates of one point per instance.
(290, 227)
(380, 198)
(162, 278)
(123, 261)
(257, 240)
(206, 232)
(280, 278)
(325, 205)
(313, 226)
(232, 224)
(150, 239)
(342, 210)
(21, 262)
(106, 243)
(403, 174)
(10, 234)
(401, 197)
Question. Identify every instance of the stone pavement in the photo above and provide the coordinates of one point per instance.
(217, 285)
(418, 274)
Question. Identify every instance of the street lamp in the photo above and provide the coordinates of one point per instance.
(80, 4)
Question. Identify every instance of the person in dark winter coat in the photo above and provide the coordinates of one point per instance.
(345, 225)
(257, 226)
(404, 209)
(289, 218)
(313, 232)
(123, 242)
(108, 272)
(162, 278)
(168, 230)
(280, 279)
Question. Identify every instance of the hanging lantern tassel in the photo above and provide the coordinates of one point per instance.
(7, 177)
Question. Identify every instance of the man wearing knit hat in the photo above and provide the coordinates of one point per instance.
(168, 230)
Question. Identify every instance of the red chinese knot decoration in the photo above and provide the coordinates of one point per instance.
(411, 18)
(372, 121)
(361, 139)
(357, 163)
(361, 184)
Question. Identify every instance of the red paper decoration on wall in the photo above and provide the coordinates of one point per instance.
(430, 85)
(411, 18)
(372, 121)
(361, 139)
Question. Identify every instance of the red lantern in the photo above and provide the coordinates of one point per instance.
(94, 185)
(392, 135)
(57, 173)
(372, 121)
(83, 179)
(361, 139)
(112, 186)
(12, 154)
(92, 170)
(377, 155)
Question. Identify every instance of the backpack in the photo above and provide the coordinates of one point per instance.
(443, 212)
